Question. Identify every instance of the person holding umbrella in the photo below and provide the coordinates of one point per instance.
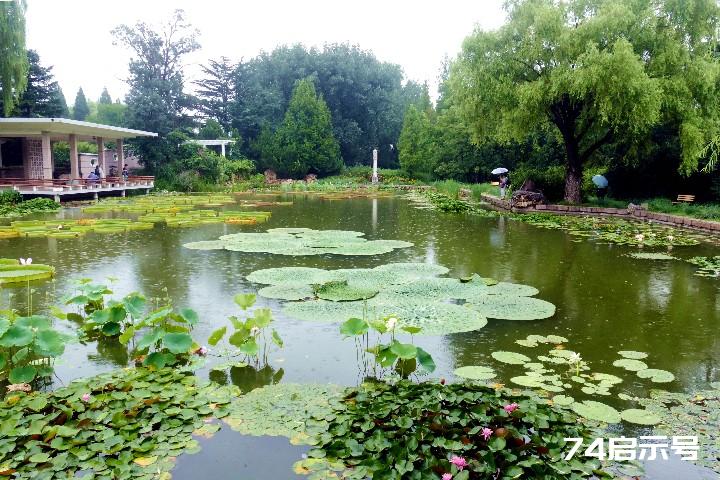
(602, 184)
(504, 180)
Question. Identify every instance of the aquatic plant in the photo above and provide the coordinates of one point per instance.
(709, 266)
(28, 347)
(303, 241)
(126, 424)
(610, 230)
(35, 205)
(248, 335)
(409, 430)
(651, 256)
(12, 272)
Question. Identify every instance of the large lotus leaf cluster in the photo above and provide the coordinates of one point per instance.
(126, 424)
(394, 431)
(158, 203)
(12, 272)
(563, 372)
(623, 232)
(412, 292)
(301, 241)
(690, 414)
(709, 266)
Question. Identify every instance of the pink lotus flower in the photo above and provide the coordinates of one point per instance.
(511, 408)
(26, 261)
(202, 351)
(459, 462)
(447, 476)
(86, 397)
(486, 433)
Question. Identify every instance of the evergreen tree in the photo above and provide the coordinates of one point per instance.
(216, 91)
(81, 109)
(416, 142)
(105, 98)
(304, 141)
(14, 62)
(42, 96)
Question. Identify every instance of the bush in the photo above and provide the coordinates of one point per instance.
(550, 180)
(36, 205)
(233, 170)
(10, 197)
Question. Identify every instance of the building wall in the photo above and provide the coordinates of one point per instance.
(33, 158)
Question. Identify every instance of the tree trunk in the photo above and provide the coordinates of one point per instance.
(573, 172)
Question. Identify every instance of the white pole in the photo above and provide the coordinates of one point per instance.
(375, 160)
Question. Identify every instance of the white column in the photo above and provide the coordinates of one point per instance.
(374, 171)
(101, 153)
(46, 157)
(74, 166)
(222, 149)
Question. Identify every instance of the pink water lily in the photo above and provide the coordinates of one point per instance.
(86, 397)
(447, 476)
(511, 408)
(459, 462)
(202, 351)
(25, 261)
(486, 433)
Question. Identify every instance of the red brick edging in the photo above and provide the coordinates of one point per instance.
(636, 213)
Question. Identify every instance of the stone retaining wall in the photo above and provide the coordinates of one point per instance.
(632, 213)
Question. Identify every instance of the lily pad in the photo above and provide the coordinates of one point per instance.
(632, 354)
(630, 364)
(526, 381)
(563, 400)
(651, 256)
(342, 292)
(656, 375)
(640, 416)
(24, 273)
(475, 372)
(414, 270)
(507, 307)
(510, 357)
(290, 275)
(287, 292)
(596, 411)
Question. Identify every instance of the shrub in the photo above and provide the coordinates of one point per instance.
(550, 180)
(10, 197)
(233, 170)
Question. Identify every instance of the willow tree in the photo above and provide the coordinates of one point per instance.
(13, 54)
(593, 72)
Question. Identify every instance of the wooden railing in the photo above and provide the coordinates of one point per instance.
(79, 183)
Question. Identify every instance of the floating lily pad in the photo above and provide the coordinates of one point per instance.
(596, 411)
(563, 400)
(475, 372)
(632, 354)
(656, 375)
(510, 357)
(290, 275)
(527, 381)
(414, 270)
(287, 291)
(651, 256)
(342, 292)
(24, 273)
(507, 307)
(630, 364)
(640, 416)
(607, 378)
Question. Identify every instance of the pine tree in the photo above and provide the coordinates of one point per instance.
(216, 91)
(80, 109)
(304, 141)
(105, 98)
(42, 96)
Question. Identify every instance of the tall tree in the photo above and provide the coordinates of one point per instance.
(595, 72)
(105, 98)
(14, 62)
(156, 101)
(304, 142)
(216, 91)
(416, 143)
(80, 108)
(42, 96)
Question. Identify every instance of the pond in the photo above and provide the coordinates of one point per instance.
(606, 301)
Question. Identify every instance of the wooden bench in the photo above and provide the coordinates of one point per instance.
(684, 199)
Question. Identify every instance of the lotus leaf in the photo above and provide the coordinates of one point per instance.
(526, 381)
(630, 364)
(596, 411)
(640, 417)
(507, 307)
(475, 372)
(656, 375)
(413, 270)
(24, 273)
(287, 291)
(510, 357)
(607, 378)
(632, 354)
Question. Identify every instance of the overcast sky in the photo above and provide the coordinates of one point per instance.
(74, 35)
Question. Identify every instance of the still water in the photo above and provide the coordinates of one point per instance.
(605, 300)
